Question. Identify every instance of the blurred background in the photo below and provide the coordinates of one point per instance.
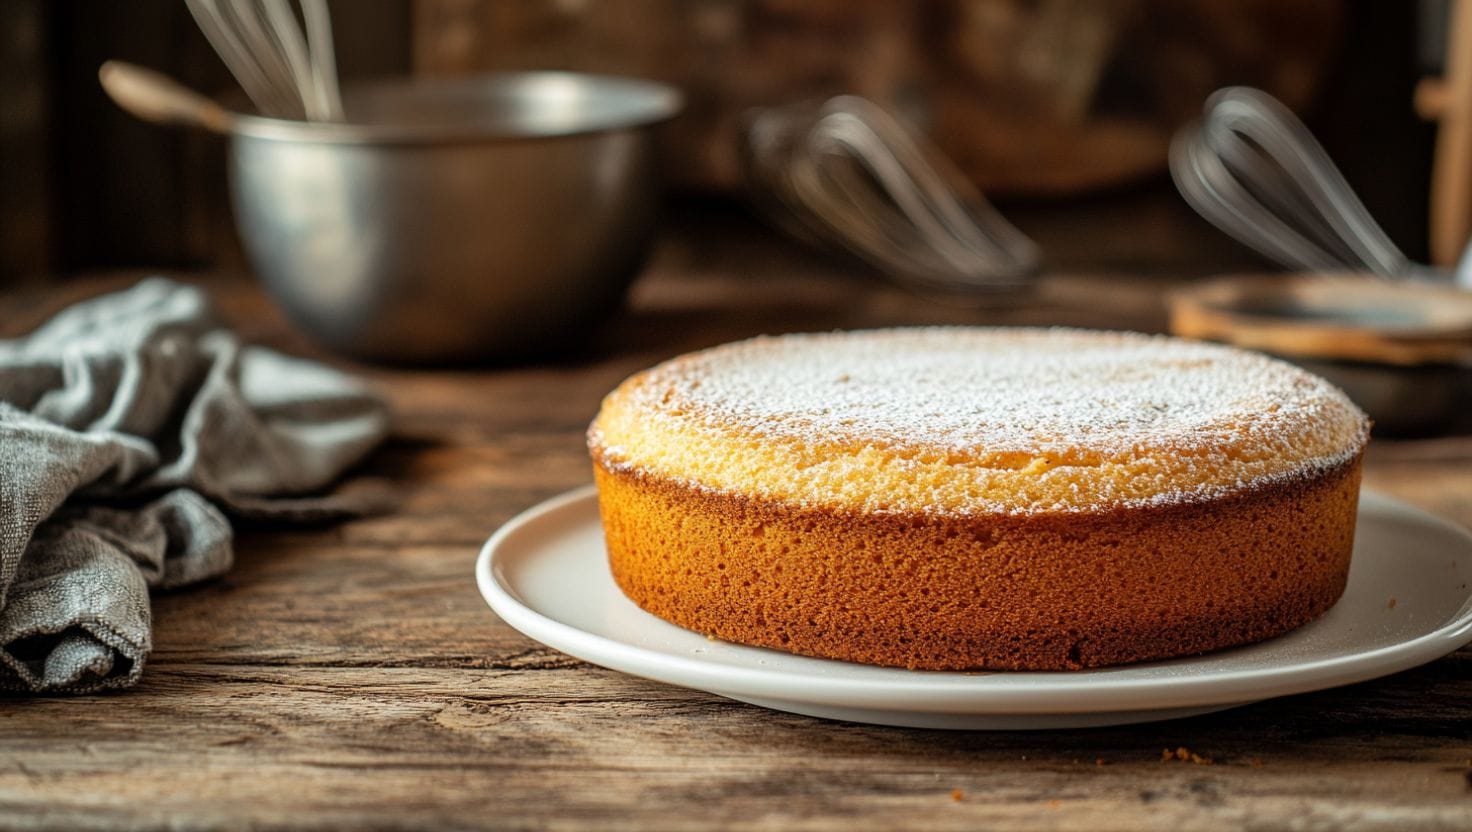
(1060, 110)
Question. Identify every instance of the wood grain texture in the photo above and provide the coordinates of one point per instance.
(351, 676)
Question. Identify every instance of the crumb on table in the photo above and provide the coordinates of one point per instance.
(1184, 755)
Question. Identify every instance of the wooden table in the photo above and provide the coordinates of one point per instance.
(351, 676)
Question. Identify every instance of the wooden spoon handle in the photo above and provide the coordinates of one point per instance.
(155, 97)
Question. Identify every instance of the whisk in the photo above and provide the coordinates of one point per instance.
(846, 173)
(285, 74)
(1252, 169)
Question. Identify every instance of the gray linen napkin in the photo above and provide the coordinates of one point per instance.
(127, 423)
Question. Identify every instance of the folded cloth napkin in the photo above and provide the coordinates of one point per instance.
(127, 423)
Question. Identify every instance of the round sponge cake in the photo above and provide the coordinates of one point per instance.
(974, 498)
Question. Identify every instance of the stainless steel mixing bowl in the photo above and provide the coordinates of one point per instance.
(475, 219)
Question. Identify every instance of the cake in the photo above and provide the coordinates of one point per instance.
(979, 498)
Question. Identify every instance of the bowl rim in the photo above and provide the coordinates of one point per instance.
(654, 102)
(1437, 329)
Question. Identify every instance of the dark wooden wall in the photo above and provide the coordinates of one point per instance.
(25, 112)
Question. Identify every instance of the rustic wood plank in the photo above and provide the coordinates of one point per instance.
(319, 747)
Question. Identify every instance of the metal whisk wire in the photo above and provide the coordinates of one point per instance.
(848, 174)
(285, 73)
(1251, 168)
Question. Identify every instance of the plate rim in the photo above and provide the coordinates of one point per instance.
(1071, 692)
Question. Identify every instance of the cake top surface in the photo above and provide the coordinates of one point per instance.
(977, 419)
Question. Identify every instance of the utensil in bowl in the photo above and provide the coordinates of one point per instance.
(153, 96)
(474, 219)
(285, 72)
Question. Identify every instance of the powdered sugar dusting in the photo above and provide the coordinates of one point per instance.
(1003, 407)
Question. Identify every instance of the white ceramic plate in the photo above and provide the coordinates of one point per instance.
(546, 574)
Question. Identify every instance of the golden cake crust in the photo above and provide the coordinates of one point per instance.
(960, 420)
(1018, 549)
